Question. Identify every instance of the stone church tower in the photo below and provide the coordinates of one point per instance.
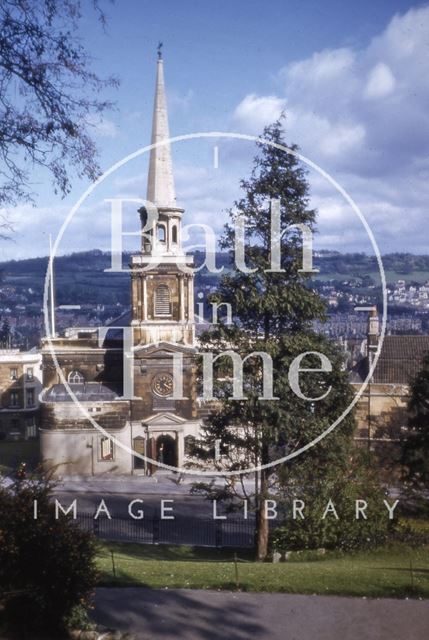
(162, 301)
(154, 419)
(162, 292)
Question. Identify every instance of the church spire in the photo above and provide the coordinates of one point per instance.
(160, 186)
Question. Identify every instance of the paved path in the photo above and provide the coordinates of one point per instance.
(182, 614)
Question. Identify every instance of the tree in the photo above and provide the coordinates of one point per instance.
(47, 565)
(273, 314)
(356, 482)
(5, 334)
(415, 446)
(47, 96)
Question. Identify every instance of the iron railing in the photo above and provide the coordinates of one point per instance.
(202, 532)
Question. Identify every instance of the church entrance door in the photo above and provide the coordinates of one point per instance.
(166, 450)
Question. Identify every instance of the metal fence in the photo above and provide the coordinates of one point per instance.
(181, 530)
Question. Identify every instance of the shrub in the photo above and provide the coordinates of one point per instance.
(47, 565)
(414, 533)
(346, 533)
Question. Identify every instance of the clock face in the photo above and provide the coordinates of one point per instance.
(163, 384)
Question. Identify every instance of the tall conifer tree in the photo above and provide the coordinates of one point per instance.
(273, 313)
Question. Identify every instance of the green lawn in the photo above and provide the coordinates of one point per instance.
(384, 572)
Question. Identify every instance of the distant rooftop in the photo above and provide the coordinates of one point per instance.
(15, 355)
(400, 360)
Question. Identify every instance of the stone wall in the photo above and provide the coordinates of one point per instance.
(381, 416)
(78, 452)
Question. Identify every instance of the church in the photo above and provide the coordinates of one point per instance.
(143, 423)
(150, 420)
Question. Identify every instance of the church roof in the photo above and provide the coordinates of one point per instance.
(86, 392)
(160, 187)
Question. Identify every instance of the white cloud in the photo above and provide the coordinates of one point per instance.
(257, 111)
(372, 93)
(381, 81)
(362, 115)
(322, 67)
(31, 227)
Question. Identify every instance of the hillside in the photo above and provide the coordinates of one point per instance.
(81, 277)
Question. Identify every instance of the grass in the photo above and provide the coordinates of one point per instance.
(392, 571)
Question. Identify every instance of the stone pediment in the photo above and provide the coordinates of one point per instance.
(164, 419)
(161, 349)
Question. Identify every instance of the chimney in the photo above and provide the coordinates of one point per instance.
(373, 330)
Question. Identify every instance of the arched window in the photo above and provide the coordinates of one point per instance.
(174, 234)
(162, 300)
(76, 377)
(161, 233)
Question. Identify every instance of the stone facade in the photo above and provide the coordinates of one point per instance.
(381, 412)
(20, 386)
(80, 451)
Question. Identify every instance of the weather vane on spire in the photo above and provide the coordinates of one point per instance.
(159, 50)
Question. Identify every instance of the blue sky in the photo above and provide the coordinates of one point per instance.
(352, 77)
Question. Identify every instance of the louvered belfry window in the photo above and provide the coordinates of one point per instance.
(162, 300)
